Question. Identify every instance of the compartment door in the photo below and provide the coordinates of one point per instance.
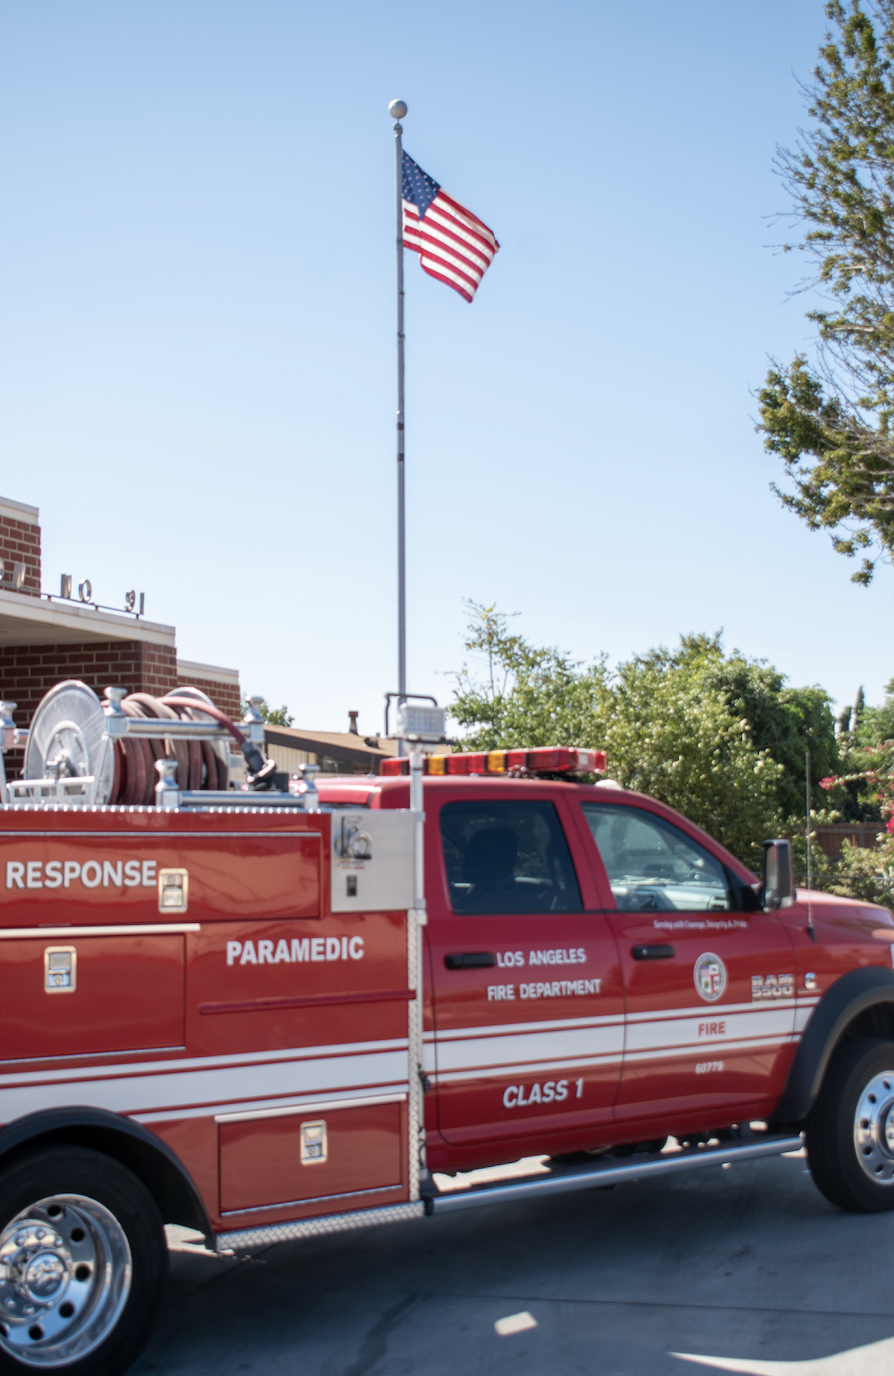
(268, 1162)
(71, 995)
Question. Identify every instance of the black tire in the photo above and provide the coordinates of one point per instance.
(83, 1243)
(850, 1130)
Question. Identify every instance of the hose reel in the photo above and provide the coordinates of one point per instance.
(201, 764)
(67, 739)
(73, 737)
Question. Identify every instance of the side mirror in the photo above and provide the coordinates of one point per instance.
(777, 885)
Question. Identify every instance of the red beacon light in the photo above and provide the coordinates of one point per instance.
(545, 760)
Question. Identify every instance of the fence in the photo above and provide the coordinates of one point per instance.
(831, 838)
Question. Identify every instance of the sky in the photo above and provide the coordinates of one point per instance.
(197, 340)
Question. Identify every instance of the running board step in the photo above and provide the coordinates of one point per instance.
(562, 1180)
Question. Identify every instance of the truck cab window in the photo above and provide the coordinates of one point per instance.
(652, 864)
(507, 857)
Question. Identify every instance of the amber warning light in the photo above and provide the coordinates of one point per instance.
(551, 759)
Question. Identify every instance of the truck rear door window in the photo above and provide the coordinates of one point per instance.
(507, 857)
(652, 864)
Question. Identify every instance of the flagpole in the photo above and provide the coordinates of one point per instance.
(397, 109)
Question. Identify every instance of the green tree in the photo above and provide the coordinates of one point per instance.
(782, 720)
(671, 731)
(864, 874)
(718, 737)
(864, 791)
(525, 696)
(830, 420)
(274, 716)
(876, 725)
(863, 787)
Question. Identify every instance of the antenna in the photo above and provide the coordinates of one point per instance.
(809, 859)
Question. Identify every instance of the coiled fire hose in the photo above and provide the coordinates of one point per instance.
(201, 765)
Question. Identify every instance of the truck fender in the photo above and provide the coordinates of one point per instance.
(864, 997)
(150, 1158)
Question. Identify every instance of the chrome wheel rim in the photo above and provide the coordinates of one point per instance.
(65, 1275)
(874, 1128)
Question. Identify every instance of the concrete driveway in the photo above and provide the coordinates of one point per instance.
(742, 1269)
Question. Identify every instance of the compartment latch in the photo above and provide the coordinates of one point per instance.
(314, 1144)
(60, 969)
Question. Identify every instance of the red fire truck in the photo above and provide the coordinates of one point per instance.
(285, 1010)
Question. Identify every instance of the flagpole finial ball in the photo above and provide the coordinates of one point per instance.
(397, 109)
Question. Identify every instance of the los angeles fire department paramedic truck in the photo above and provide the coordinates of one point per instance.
(246, 1012)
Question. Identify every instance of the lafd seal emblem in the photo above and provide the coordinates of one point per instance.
(710, 976)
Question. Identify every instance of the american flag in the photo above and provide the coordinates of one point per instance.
(452, 243)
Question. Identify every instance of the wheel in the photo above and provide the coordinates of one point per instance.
(850, 1130)
(82, 1264)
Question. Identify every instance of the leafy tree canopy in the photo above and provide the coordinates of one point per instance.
(863, 790)
(830, 420)
(274, 716)
(875, 725)
(719, 737)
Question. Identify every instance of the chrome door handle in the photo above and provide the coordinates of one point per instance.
(652, 952)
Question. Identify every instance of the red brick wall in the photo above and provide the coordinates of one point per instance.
(158, 668)
(226, 696)
(28, 671)
(20, 544)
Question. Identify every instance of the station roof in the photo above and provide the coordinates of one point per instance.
(344, 746)
(32, 619)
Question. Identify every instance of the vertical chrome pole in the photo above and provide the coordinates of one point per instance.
(398, 109)
(416, 806)
(418, 918)
(7, 740)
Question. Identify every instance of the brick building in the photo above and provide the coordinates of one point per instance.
(47, 637)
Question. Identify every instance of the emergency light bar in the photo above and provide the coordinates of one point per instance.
(551, 759)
